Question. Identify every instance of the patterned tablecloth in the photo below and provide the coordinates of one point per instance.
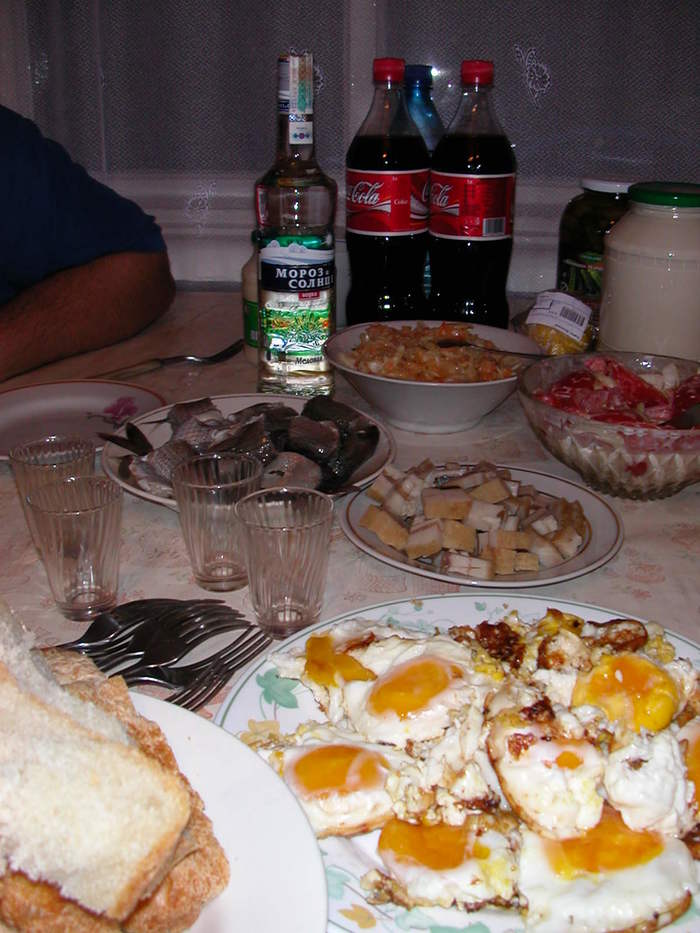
(653, 576)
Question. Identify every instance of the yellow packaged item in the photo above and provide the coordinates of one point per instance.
(560, 323)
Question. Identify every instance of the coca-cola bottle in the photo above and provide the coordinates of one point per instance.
(387, 195)
(471, 208)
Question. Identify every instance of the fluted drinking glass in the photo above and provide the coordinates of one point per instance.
(287, 541)
(77, 522)
(207, 489)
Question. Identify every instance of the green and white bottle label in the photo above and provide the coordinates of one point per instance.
(297, 297)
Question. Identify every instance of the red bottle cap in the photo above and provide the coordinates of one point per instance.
(477, 71)
(388, 69)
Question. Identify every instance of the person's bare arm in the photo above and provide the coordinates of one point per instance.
(83, 308)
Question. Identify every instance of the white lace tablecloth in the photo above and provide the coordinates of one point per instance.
(653, 576)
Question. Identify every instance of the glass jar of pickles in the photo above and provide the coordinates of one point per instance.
(584, 223)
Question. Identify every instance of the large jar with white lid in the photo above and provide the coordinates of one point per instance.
(651, 278)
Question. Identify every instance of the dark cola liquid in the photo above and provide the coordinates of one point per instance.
(386, 272)
(469, 276)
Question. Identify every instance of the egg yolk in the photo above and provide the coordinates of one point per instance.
(332, 769)
(439, 847)
(692, 763)
(324, 664)
(629, 689)
(609, 846)
(568, 760)
(409, 687)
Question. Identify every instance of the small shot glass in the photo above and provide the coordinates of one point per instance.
(207, 489)
(49, 460)
(78, 527)
(287, 533)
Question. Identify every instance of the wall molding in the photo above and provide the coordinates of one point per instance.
(207, 223)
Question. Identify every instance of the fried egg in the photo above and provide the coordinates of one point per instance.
(646, 781)
(468, 866)
(417, 689)
(551, 780)
(632, 690)
(339, 781)
(689, 739)
(611, 878)
(326, 661)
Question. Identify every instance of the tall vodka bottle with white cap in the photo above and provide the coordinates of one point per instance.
(295, 206)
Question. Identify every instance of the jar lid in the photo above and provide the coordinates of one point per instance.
(388, 69)
(477, 71)
(605, 184)
(666, 193)
(423, 74)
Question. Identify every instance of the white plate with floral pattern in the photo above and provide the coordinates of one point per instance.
(260, 694)
(83, 408)
(277, 880)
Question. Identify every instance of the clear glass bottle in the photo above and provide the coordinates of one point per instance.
(295, 205)
(249, 299)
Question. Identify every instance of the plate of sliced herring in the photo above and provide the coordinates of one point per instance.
(317, 442)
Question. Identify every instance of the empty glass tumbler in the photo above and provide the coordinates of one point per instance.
(207, 489)
(48, 460)
(287, 540)
(77, 523)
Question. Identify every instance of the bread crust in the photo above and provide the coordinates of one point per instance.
(197, 872)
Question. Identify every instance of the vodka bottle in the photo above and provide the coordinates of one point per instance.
(295, 205)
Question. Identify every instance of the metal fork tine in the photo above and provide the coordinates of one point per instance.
(211, 682)
(229, 653)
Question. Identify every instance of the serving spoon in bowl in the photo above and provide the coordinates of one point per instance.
(448, 342)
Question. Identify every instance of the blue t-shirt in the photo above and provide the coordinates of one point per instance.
(53, 215)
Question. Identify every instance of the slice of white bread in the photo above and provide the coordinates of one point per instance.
(200, 871)
(96, 818)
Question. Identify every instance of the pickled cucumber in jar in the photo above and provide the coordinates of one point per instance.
(584, 223)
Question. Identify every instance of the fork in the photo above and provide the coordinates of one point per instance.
(180, 620)
(187, 675)
(215, 679)
(147, 366)
(114, 623)
(164, 647)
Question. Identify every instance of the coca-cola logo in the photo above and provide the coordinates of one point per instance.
(440, 194)
(365, 192)
(425, 193)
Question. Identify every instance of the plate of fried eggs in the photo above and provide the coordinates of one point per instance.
(489, 763)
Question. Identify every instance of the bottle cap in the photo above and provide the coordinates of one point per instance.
(666, 193)
(605, 184)
(388, 69)
(421, 74)
(477, 71)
